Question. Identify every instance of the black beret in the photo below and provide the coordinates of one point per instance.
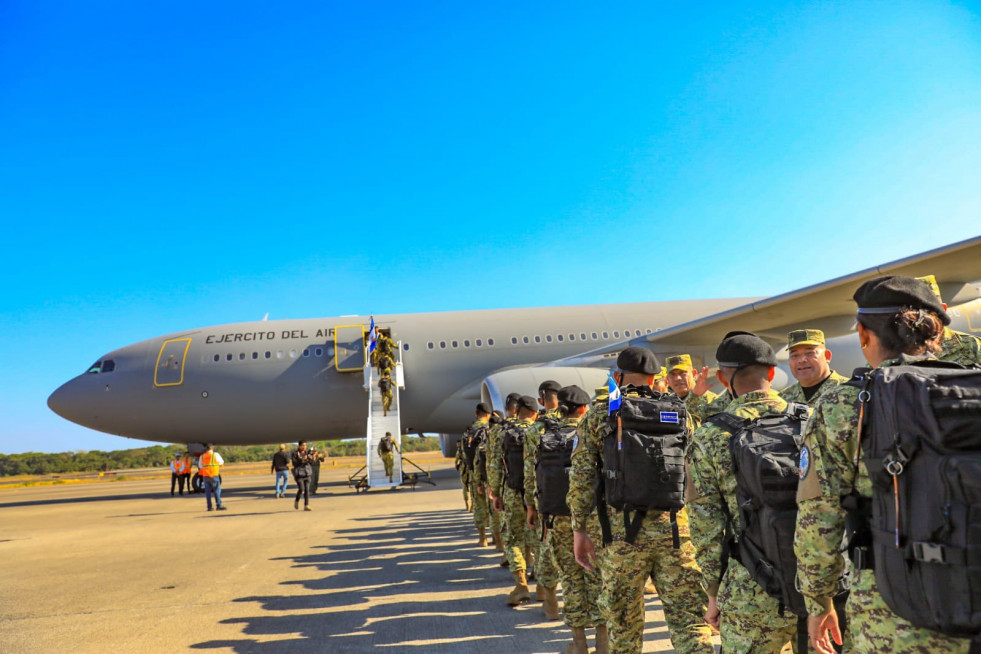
(549, 386)
(528, 402)
(889, 294)
(744, 349)
(512, 397)
(483, 407)
(573, 396)
(638, 359)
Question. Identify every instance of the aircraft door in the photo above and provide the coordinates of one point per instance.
(349, 355)
(169, 370)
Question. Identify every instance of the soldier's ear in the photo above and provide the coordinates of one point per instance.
(827, 355)
(771, 373)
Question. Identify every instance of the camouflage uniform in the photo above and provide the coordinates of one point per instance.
(580, 587)
(698, 406)
(831, 442)
(625, 567)
(461, 466)
(958, 347)
(481, 516)
(546, 573)
(795, 393)
(385, 386)
(717, 405)
(750, 618)
(516, 538)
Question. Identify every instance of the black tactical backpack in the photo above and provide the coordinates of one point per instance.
(921, 439)
(513, 447)
(471, 441)
(765, 455)
(552, 468)
(644, 459)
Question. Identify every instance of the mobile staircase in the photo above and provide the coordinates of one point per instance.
(372, 474)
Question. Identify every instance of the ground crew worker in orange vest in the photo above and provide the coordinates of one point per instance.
(209, 467)
(185, 478)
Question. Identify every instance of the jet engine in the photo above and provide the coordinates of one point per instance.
(496, 387)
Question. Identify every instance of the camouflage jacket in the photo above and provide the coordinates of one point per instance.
(958, 347)
(533, 436)
(698, 405)
(831, 467)
(711, 490)
(495, 454)
(477, 424)
(795, 393)
(718, 405)
(586, 458)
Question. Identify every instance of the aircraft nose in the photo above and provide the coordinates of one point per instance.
(67, 401)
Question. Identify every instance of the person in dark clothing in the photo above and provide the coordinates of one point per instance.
(302, 473)
(281, 466)
(316, 456)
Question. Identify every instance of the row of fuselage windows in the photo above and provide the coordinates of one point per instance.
(538, 339)
(280, 354)
(268, 354)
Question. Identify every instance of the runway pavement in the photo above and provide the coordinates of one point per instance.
(124, 567)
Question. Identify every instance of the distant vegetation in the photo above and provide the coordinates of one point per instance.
(159, 456)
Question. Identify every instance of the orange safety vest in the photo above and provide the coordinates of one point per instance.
(209, 466)
(185, 466)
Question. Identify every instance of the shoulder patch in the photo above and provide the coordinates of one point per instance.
(805, 461)
(669, 417)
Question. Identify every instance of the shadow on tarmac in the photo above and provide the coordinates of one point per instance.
(401, 583)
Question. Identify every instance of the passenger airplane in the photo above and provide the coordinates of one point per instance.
(287, 380)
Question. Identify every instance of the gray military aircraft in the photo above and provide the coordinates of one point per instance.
(274, 381)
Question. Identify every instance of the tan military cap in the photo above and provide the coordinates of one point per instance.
(805, 337)
(682, 361)
(602, 393)
(662, 374)
(931, 281)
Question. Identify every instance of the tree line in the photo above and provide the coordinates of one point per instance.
(160, 456)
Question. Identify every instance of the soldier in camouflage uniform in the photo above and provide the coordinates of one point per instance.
(495, 476)
(580, 587)
(748, 618)
(832, 466)
(513, 507)
(624, 567)
(682, 380)
(810, 365)
(546, 574)
(461, 467)
(956, 347)
(478, 495)
(495, 516)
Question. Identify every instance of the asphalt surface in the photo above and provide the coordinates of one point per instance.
(125, 567)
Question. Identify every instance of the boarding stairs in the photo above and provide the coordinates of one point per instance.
(372, 474)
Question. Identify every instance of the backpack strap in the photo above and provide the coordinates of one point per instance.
(632, 525)
(728, 422)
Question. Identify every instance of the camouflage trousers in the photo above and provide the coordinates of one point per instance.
(465, 483)
(495, 517)
(481, 510)
(873, 627)
(518, 535)
(750, 619)
(625, 568)
(546, 568)
(388, 458)
(580, 587)
(386, 402)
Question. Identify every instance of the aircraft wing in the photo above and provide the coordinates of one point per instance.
(827, 306)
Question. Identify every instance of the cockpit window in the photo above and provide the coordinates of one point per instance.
(95, 367)
(108, 365)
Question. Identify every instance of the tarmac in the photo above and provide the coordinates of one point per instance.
(125, 567)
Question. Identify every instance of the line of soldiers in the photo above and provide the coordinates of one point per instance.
(735, 505)
(383, 356)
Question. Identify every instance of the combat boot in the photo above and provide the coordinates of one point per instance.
(551, 603)
(649, 589)
(498, 541)
(483, 536)
(602, 640)
(520, 592)
(578, 644)
(504, 561)
(539, 593)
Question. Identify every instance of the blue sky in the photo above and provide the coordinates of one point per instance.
(168, 167)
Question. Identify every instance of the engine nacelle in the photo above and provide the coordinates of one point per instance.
(496, 387)
(448, 444)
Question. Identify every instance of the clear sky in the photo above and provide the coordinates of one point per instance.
(170, 166)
